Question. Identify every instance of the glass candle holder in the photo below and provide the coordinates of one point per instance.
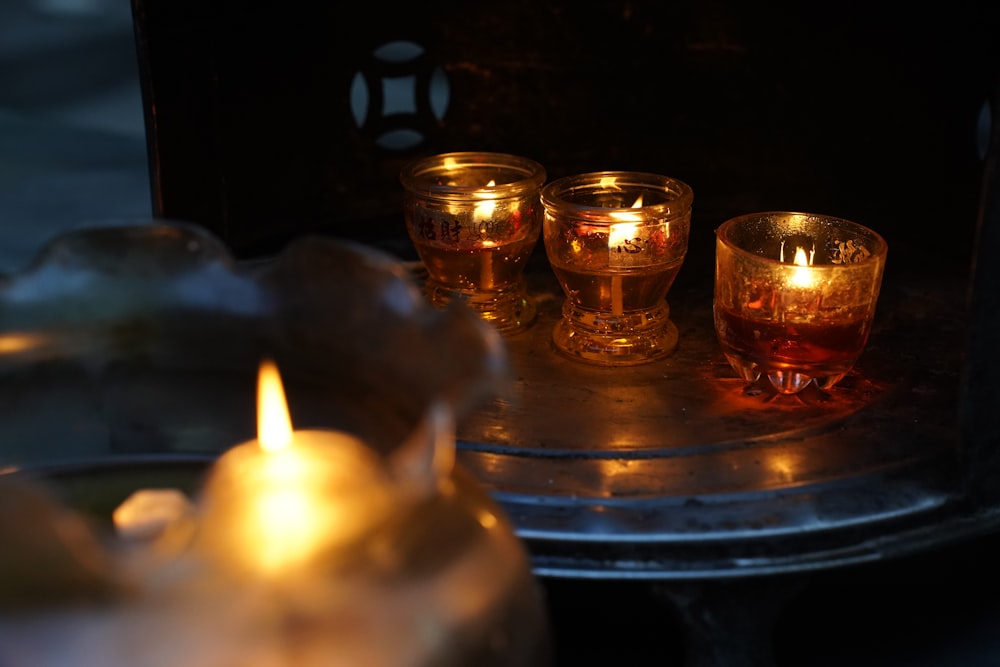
(795, 295)
(616, 241)
(475, 219)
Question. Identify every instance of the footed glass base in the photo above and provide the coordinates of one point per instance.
(786, 379)
(510, 310)
(615, 340)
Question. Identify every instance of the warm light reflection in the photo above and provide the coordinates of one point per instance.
(148, 512)
(487, 519)
(784, 465)
(13, 343)
(616, 474)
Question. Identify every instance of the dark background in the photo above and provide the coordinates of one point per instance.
(869, 111)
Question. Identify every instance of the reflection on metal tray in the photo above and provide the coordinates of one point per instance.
(671, 470)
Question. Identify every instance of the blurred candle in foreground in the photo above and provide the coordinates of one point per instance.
(278, 505)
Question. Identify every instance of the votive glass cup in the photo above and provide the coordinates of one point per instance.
(474, 219)
(795, 296)
(616, 241)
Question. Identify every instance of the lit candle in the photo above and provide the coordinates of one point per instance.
(621, 237)
(800, 319)
(801, 277)
(302, 548)
(481, 216)
(292, 499)
(474, 219)
(616, 241)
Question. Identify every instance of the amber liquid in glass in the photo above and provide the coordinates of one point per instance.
(804, 346)
(478, 268)
(641, 288)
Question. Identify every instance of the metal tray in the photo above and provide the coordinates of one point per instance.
(674, 470)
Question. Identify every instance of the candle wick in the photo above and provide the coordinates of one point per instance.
(617, 307)
(486, 268)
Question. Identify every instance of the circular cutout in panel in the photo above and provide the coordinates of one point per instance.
(398, 94)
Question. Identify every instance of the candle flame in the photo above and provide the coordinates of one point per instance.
(802, 277)
(274, 423)
(485, 207)
(800, 257)
(622, 232)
